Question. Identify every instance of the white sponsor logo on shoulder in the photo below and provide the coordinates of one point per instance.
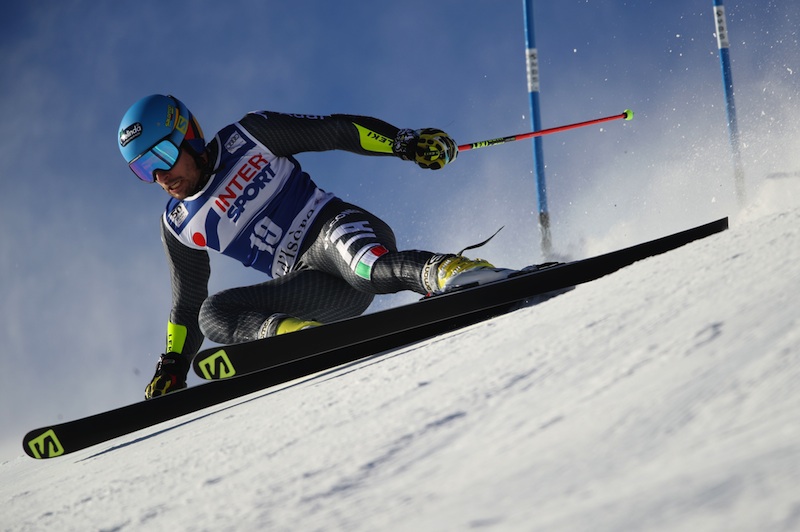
(234, 143)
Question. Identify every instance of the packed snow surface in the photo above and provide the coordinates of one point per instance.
(662, 397)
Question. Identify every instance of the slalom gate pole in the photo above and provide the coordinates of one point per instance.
(727, 81)
(532, 66)
(626, 115)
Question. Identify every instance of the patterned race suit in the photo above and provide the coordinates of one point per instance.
(325, 259)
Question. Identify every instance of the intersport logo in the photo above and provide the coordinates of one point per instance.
(244, 186)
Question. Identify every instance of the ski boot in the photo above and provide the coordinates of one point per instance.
(451, 272)
(283, 324)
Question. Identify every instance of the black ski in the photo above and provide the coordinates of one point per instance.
(429, 317)
(289, 357)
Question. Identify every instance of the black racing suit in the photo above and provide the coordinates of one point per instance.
(325, 282)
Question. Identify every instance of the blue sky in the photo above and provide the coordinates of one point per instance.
(85, 292)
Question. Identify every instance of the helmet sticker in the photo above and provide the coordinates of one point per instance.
(170, 116)
(182, 124)
(129, 133)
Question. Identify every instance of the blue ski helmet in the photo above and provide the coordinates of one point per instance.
(152, 132)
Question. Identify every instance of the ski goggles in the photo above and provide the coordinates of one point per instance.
(162, 156)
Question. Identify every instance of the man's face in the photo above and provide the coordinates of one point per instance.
(182, 179)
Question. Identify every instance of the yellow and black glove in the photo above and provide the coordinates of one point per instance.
(170, 376)
(429, 148)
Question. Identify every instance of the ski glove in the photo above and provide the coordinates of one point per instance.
(429, 147)
(170, 376)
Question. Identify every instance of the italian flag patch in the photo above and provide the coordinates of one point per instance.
(367, 258)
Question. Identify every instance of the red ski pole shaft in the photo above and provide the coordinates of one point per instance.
(627, 115)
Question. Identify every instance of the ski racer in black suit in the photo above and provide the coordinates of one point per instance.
(245, 195)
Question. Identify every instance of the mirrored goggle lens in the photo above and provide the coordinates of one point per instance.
(162, 156)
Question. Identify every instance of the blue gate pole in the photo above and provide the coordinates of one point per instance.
(730, 105)
(532, 63)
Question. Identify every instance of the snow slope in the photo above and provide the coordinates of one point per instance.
(662, 397)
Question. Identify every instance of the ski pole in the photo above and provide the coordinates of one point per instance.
(627, 115)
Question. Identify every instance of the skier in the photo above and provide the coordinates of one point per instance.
(244, 195)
